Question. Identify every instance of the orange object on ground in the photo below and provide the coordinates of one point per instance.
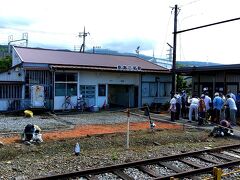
(84, 130)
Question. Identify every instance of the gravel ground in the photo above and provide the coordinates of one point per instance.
(51, 121)
(19, 161)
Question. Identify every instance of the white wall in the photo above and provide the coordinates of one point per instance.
(95, 78)
(15, 58)
(4, 104)
(16, 74)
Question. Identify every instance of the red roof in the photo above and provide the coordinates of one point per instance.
(69, 58)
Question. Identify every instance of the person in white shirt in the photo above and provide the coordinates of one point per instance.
(208, 102)
(233, 109)
(178, 106)
(193, 107)
(172, 107)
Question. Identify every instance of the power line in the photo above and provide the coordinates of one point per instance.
(167, 30)
(212, 24)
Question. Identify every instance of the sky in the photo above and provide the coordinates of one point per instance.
(123, 25)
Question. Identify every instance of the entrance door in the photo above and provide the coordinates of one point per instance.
(121, 95)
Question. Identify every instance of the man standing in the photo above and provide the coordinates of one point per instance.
(172, 107)
(184, 104)
(208, 102)
(233, 109)
(178, 106)
(217, 107)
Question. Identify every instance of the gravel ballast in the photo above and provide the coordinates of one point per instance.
(19, 161)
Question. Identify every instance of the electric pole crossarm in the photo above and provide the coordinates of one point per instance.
(199, 27)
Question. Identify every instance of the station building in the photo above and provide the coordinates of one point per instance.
(221, 78)
(42, 78)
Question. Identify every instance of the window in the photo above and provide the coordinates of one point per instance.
(36, 77)
(60, 77)
(65, 84)
(102, 90)
(87, 91)
(60, 89)
(149, 89)
(71, 89)
(153, 89)
(10, 91)
(145, 89)
(71, 77)
(164, 89)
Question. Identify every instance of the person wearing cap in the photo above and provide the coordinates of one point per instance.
(232, 109)
(193, 108)
(218, 104)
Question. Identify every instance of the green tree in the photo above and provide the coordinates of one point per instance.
(5, 63)
(181, 83)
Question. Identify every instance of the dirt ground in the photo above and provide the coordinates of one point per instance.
(101, 145)
(85, 130)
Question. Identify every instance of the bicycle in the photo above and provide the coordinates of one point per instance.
(81, 104)
(67, 105)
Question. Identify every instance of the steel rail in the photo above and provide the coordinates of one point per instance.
(137, 164)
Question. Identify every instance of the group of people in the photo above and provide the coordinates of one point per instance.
(204, 109)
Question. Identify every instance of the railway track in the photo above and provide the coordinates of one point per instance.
(189, 164)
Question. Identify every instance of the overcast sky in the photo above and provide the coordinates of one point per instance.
(123, 25)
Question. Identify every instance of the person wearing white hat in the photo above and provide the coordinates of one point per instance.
(218, 104)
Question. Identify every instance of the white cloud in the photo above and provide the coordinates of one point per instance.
(147, 23)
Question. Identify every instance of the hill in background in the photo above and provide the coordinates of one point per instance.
(147, 58)
(4, 51)
(196, 63)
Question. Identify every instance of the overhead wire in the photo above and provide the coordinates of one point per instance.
(189, 3)
(167, 31)
(181, 49)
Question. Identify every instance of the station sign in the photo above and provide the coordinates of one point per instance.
(129, 68)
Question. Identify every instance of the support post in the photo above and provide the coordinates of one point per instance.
(217, 173)
(128, 127)
(174, 51)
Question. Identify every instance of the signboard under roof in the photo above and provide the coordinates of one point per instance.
(128, 68)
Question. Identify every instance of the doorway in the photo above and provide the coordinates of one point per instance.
(122, 96)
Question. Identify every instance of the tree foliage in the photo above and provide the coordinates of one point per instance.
(181, 83)
(5, 63)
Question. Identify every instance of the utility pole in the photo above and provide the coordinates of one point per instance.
(174, 50)
(83, 34)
